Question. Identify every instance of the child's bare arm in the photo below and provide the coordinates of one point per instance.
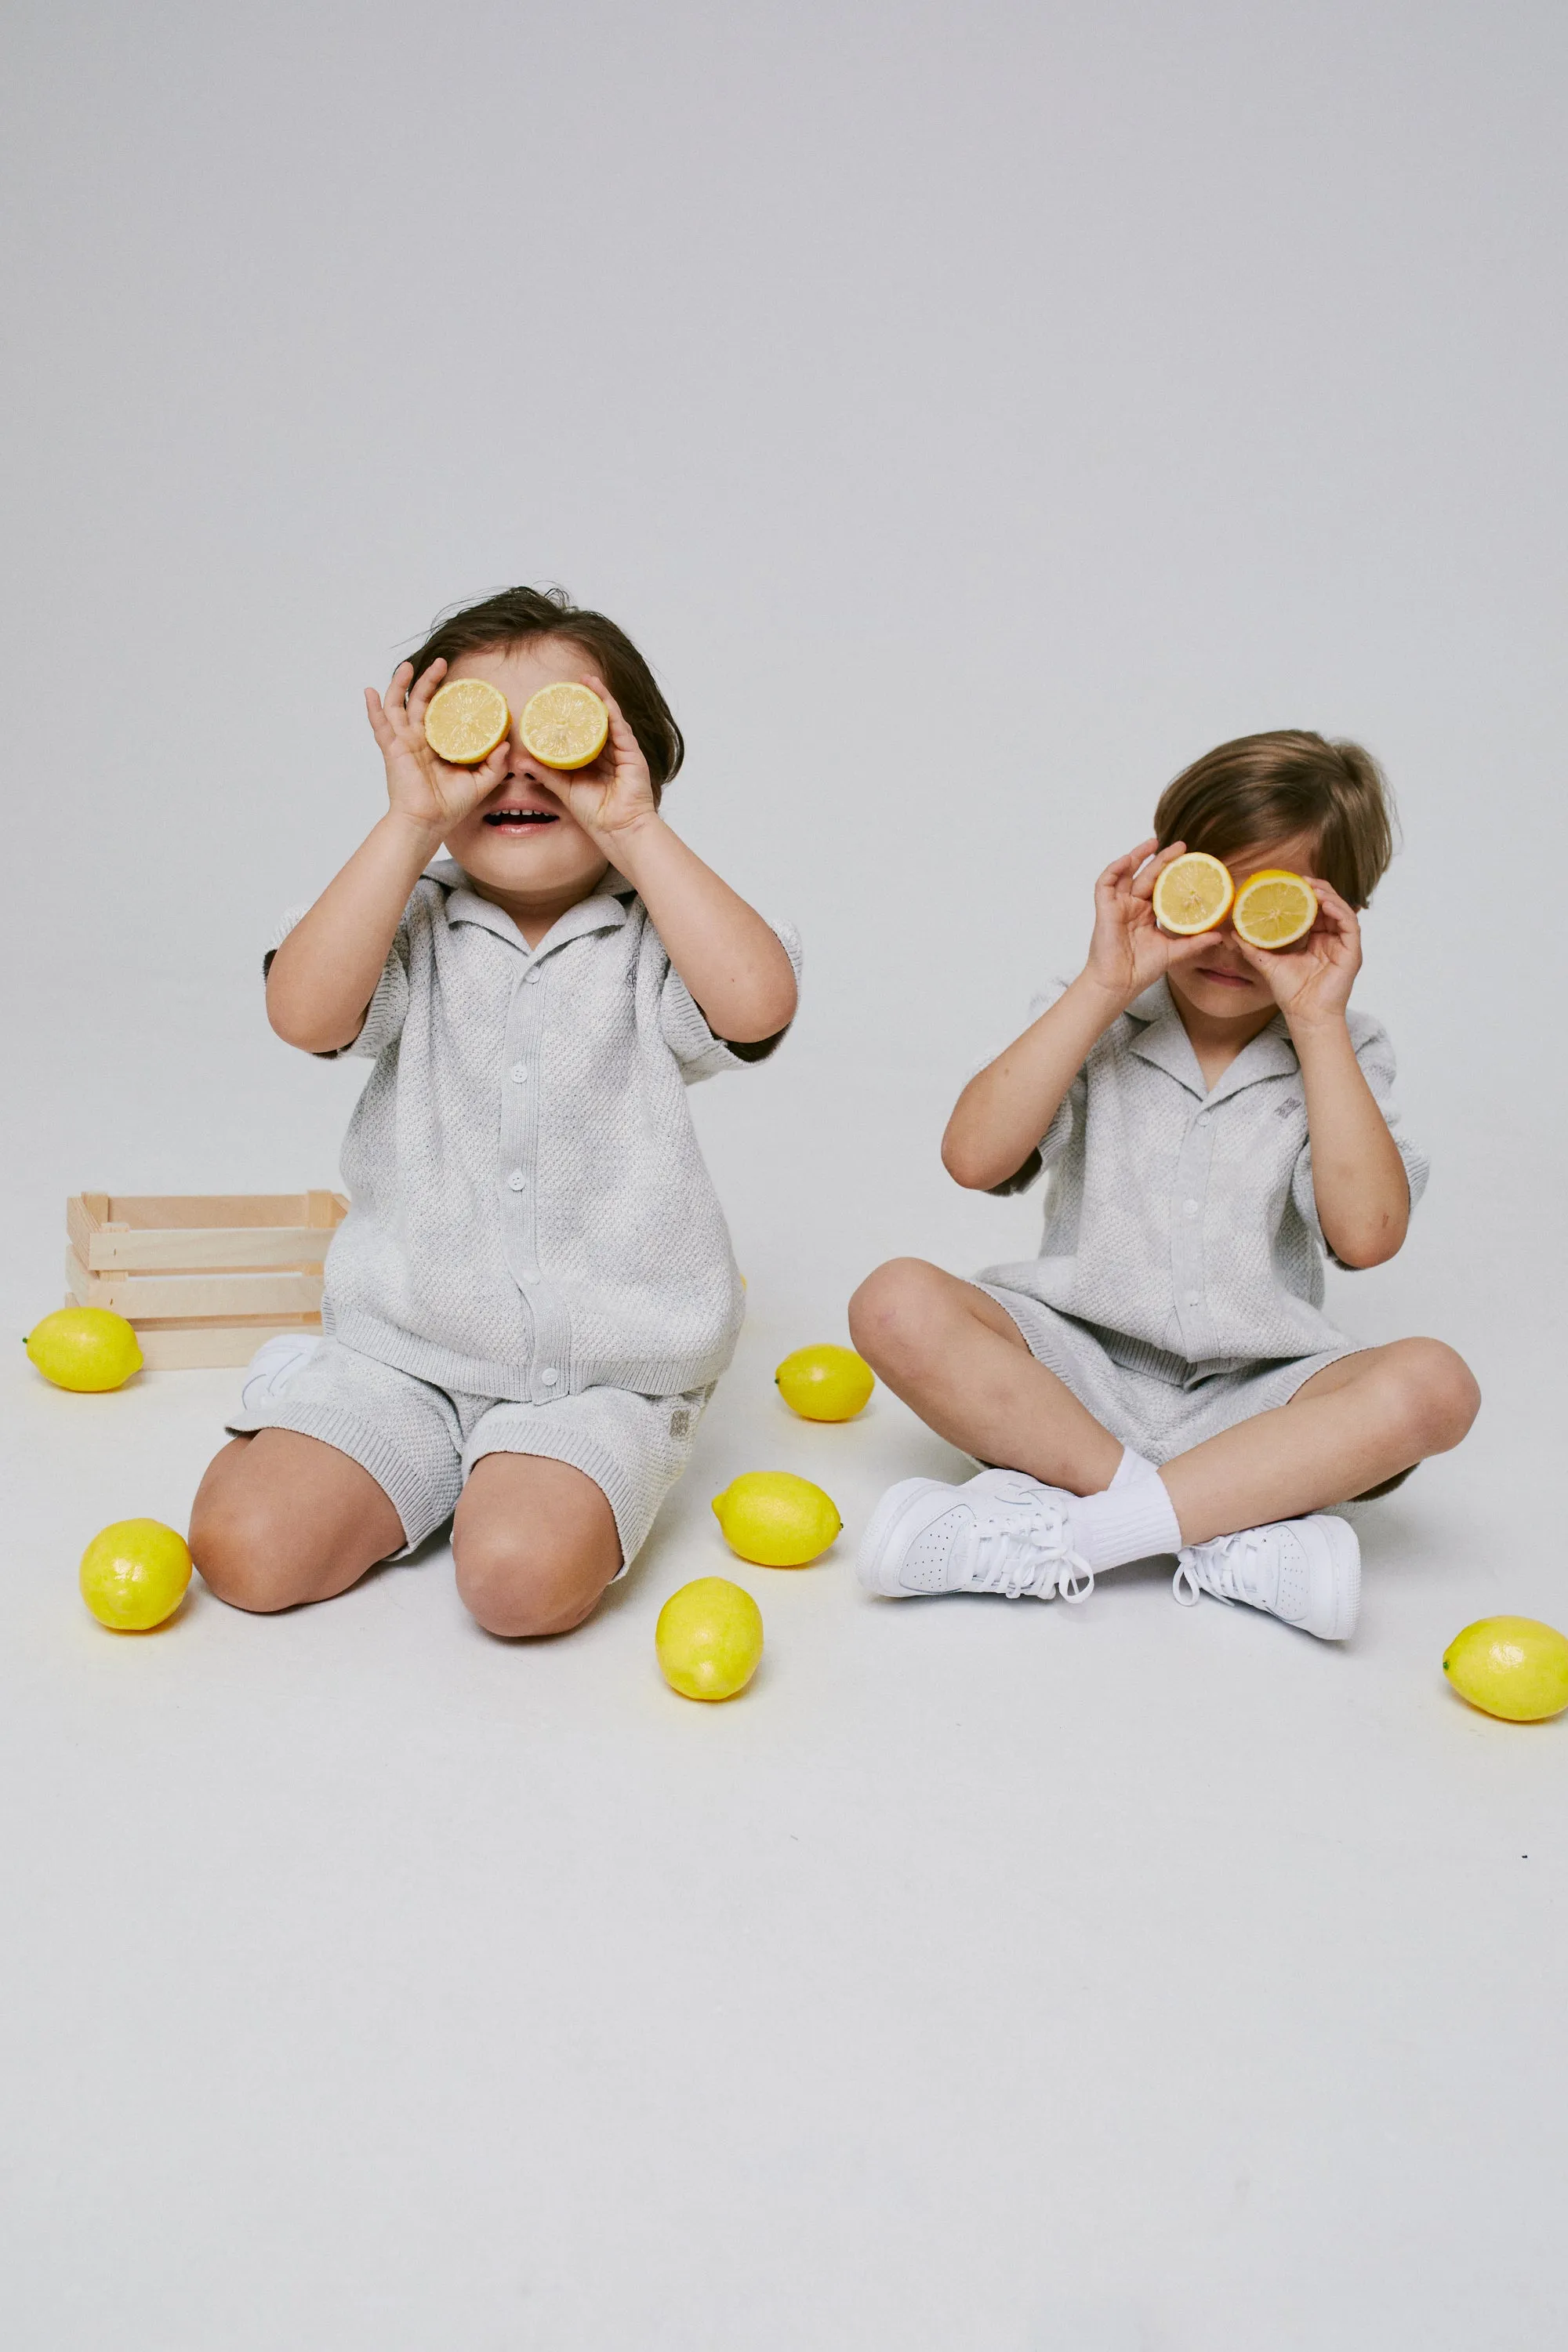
(1001, 1115)
(734, 964)
(324, 974)
(1358, 1179)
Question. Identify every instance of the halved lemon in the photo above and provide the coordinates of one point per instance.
(565, 725)
(467, 718)
(1192, 894)
(1274, 908)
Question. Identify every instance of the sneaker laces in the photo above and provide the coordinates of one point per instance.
(1008, 1552)
(1224, 1568)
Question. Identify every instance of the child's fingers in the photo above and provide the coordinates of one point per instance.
(423, 688)
(381, 726)
(621, 735)
(1121, 867)
(1340, 914)
(493, 767)
(1153, 867)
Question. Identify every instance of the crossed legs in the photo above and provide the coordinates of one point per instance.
(959, 1361)
(281, 1518)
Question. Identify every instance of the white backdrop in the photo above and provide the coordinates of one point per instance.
(974, 412)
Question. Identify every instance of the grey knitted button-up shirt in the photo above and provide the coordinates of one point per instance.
(530, 1214)
(1181, 1221)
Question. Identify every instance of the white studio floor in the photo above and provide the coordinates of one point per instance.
(995, 1976)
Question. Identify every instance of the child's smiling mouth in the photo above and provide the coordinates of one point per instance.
(519, 819)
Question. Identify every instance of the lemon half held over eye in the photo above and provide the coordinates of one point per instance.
(467, 718)
(1274, 908)
(567, 726)
(1192, 894)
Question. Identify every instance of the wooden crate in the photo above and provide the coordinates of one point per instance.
(203, 1277)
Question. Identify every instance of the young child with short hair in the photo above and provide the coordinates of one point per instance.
(1214, 1115)
(533, 1292)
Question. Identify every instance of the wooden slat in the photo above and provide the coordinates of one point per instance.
(175, 1348)
(83, 1224)
(162, 1245)
(181, 1211)
(163, 1298)
(216, 1249)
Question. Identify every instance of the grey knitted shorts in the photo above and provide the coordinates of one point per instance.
(419, 1443)
(1158, 1412)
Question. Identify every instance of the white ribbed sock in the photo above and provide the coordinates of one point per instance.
(1129, 1522)
(1130, 1469)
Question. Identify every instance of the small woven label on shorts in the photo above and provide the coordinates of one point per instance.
(680, 1422)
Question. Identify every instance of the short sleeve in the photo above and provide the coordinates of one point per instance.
(1068, 1116)
(388, 1007)
(701, 1053)
(1374, 1053)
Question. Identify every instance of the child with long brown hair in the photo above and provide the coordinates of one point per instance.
(1213, 1117)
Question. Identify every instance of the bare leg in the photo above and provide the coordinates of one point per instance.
(535, 1544)
(960, 1363)
(1351, 1426)
(280, 1518)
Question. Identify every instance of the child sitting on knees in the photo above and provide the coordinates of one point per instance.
(533, 1292)
(1161, 1378)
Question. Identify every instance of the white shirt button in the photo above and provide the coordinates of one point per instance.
(550, 1376)
(530, 977)
(1193, 1297)
(1190, 1208)
(517, 1180)
(529, 1274)
(518, 1074)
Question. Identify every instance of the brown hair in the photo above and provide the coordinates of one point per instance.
(513, 617)
(1263, 788)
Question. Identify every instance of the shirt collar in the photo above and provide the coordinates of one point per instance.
(1159, 1037)
(605, 910)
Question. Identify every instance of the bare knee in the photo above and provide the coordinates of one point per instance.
(892, 1313)
(1432, 1396)
(249, 1554)
(512, 1587)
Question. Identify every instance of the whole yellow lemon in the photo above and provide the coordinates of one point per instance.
(776, 1520)
(1514, 1667)
(134, 1574)
(708, 1638)
(84, 1347)
(825, 1382)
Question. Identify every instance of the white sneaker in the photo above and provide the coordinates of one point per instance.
(1306, 1570)
(274, 1365)
(1002, 1532)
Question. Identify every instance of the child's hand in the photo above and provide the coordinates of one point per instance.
(1311, 981)
(1129, 951)
(613, 794)
(429, 792)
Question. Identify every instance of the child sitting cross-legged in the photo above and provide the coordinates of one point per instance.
(533, 1292)
(1213, 1117)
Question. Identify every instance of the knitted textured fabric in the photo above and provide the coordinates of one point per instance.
(1182, 1223)
(531, 1213)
